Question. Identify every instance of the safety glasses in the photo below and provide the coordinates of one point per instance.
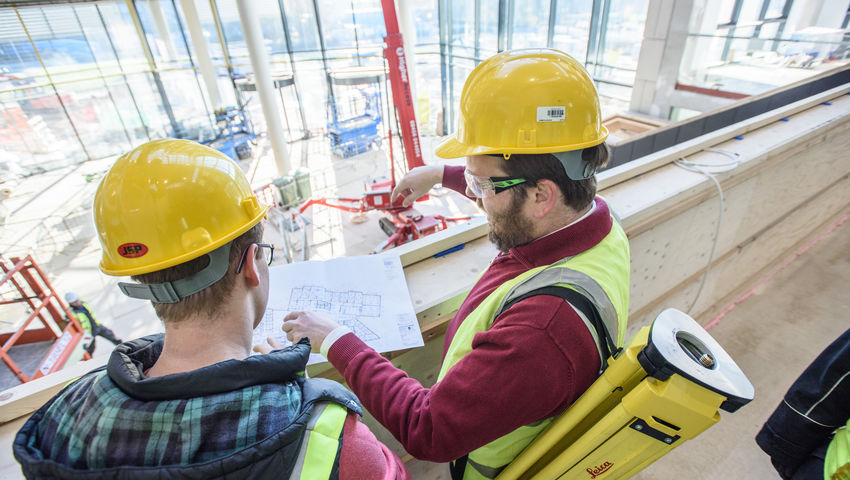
(268, 254)
(484, 187)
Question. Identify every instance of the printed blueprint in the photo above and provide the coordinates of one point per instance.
(368, 294)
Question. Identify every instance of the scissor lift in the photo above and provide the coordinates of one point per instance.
(24, 282)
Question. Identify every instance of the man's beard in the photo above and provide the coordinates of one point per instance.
(510, 228)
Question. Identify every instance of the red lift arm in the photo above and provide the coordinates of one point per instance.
(402, 97)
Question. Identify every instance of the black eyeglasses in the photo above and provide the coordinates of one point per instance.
(269, 254)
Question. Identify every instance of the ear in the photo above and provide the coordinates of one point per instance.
(545, 196)
(251, 268)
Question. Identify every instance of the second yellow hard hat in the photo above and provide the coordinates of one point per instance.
(526, 101)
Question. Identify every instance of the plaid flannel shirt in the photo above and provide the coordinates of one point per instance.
(117, 417)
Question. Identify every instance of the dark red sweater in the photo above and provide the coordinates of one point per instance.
(535, 360)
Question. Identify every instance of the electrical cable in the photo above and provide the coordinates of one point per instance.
(735, 160)
(701, 168)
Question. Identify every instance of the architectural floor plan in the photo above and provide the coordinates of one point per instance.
(367, 294)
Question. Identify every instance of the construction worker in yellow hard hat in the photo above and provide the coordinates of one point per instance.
(91, 327)
(516, 353)
(182, 221)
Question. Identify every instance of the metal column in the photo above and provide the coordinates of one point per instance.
(263, 80)
(202, 53)
(408, 32)
(162, 28)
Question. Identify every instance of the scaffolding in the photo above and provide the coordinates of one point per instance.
(25, 286)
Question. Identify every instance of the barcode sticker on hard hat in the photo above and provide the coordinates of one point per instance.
(551, 114)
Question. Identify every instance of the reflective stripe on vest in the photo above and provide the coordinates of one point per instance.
(322, 439)
(836, 465)
(583, 284)
(601, 274)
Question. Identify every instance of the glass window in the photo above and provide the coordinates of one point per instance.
(314, 94)
(128, 109)
(746, 59)
(572, 28)
(163, 31)
(624, 33)
(149, 102)
(725, 11)
(272, 28)
(340, 32)
(774, 8)
(38, 118)
(119, 25)
(98, 39)
(302, 26)
(461, 68)
(95, 117)
(489, 34)
(531, 24)
(426, 22)
(463, 23)
(369, 20)
(19, 65)
(429, 93)
(60, 42)
(750, 10)
(186, 101)
(207, 20)
(232, 32)
(338, 25)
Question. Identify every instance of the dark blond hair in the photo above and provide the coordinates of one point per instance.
(210, 299)
(578, 194)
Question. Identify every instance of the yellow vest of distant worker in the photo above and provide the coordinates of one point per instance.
(84, 319)
(601, 274)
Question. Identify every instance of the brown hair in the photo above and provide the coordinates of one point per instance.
(578, 194)
(210, 299)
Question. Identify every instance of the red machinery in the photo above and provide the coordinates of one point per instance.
(402, 224)
(402, 97)
(34, 289)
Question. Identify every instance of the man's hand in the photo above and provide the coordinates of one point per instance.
(315, 326)
(417, 183)
(271, 344)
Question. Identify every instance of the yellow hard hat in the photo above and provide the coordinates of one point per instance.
(526, 101)
(169, 201)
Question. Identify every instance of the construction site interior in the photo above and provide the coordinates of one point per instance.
(729, 137)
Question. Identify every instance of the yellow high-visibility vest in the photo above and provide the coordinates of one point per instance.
(601, 274)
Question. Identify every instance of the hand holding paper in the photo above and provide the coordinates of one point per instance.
(313, 325)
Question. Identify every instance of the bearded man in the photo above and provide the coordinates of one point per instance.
(535, 330)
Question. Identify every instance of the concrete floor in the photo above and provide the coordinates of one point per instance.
(772, 335)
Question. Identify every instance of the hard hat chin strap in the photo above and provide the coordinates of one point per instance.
(173, 292)
(574, 166)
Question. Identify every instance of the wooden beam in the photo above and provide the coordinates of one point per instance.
(28, 397)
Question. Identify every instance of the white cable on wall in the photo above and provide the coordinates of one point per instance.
(702, 168)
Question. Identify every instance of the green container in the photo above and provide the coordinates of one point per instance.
(288, 190)
(302, 181)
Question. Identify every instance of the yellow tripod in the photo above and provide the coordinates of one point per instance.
(664, 388)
